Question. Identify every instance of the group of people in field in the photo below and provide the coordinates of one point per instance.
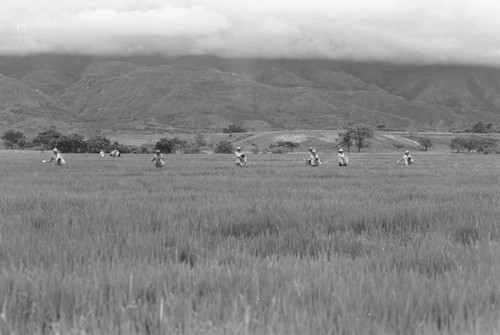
(314, 160)
(59, 160)
(241, 159)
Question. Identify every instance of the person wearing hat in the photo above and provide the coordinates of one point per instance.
(407, 159)
(158, 157)
(313, 159)
(240, 157)
(57, 157)
(343, 160)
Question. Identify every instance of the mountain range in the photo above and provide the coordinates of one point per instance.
(186, 94)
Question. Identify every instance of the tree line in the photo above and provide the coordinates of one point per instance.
(76, 143)
(353, 136)
(52, 138)
(476, 143)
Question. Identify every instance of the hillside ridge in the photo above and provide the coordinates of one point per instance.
(207, 94)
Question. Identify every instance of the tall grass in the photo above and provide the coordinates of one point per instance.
(115, 246)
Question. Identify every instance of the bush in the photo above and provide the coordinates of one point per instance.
(169, 145)
(224, 147)
(96, 143)
(13, 137)
(234, 128)
(48, 138)
(71, 143)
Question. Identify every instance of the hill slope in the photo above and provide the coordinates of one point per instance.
(30, 109)
(204, 93)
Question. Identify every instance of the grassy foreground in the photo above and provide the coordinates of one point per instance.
(115, 246)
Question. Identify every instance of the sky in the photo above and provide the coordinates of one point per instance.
(402, 31)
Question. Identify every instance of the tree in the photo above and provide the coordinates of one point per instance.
(457, 144)
(474, 142)
(425, 142)
(487, 145)
(479, 127)
(97, 143)
(470, 143)
(345, 139)
(169, 145)
(361, 135)
(13, 137)
(71, 143)
(224, 147)
(48, 138)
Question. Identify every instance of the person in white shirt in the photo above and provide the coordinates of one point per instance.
(115, 153)
(343, 160)
(101, 153)
(240, 157)
(158, 157)
(57, 157)
(407, 159)
(313, 158)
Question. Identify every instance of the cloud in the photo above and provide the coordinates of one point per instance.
(424, 31)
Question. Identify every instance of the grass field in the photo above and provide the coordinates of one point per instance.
(115, 246)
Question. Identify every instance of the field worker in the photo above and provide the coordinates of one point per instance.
(57, 157)
(115, 153)
(313, 159)
(343, 160)
(407, 159)
(240, 158)
(101, 153)
(158, 159)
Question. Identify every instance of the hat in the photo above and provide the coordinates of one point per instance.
(313, 150)
(407, 152)
(238, 148)
(55, 150)
(157, 151)
(340, 150)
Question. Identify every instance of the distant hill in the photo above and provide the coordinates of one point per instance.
(29, 109)
(148, 93)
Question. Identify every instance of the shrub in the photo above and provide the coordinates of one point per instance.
(13, 137)
(48, 138)
(169, 145)
(234, 128)
(224, 147)
(96, 143)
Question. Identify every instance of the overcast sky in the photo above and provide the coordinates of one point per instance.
(423, 31)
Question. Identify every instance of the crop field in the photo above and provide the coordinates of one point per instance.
(116, 246)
